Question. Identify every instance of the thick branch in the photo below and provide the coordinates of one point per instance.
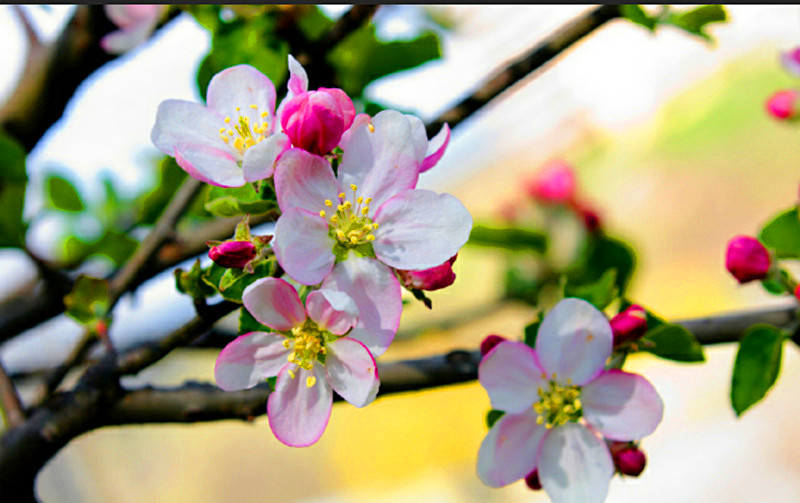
(534, 59)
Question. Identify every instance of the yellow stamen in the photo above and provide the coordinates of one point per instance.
(371, 127)
(264, 115)
(322, 213)
(353, 187)
(291, 374)
(310, 381)
(341, 195)
(328, 203)
(254, 107)
(227, 120)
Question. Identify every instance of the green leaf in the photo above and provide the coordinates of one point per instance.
(234, 289)
(782, 234)
(230, 277)
(231, 202)
(192, 283)
(531, 331)
(420, 296)
(361, 57)
(777, 283)
(88, 300)
(509, 238)
(62, 195)
(696, 20)
(758, 363)
(314, 23)
(607, 253)
(492, 416)
(249, 324)
(13, 179)
(600, 293)
(673, 342)
(636, 14)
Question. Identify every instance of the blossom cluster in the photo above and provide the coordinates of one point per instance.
(353, 230)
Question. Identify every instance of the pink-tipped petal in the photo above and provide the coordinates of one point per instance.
(622, 406)
(419, 229)
(352, 371)
(298, 79)
(210, 164)
(303, 247)
(127, 16)
(382, 162)
(274, 303)
(239, 87)
(304, 180)
(376, 292)
(511, 376)
(298, 413)
(791, 61)
(336, 317)
(574, 341)
(249, 359)
(346, 109)
(181, 123)
(358, 121)
(122, 41)
(575, 465)
(510, 449)
(259, 160)
(436, 148)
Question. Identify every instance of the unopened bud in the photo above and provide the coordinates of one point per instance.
(783, 104)
(315, 120)
(747, 259)
(629, 325)
(797, 292)
(490, 342)
(532, 481)
(791, 61)
(429, 279)
(555, 183)
(232, 254)
(629, 461)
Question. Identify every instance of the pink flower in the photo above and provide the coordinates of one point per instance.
(315, 120)
(229, 142)
(232, 254)
(351, 230)
(136, 22)
(791, 61)
(310, 354)
(434, 278)
(747, 259)
(628, 459)
(559, 402)
(555, 183)
(629, 325)
(489, 342)
(783, 104)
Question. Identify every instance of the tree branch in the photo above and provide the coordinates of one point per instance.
(9, 400)
(534, 59)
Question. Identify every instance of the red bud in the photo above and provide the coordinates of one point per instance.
(232, 254)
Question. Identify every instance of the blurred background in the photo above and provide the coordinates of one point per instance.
(671, 143)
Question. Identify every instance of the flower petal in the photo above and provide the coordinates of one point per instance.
(510, 449)
(511, 376)
(419, 229)
(249, 359)
(382, 162)
(304, 180)
(352, 371)
(298, 79)
(359, 120)
(376, 292)
(126, 39)
(274, 303)
(575, 465)
(303, 247)
(436, 148)
(622, 406)
(332, 316)
(574, 341)
(259, 160)
(298, 413)
(210, 164)
(239, 87)
(181, 123)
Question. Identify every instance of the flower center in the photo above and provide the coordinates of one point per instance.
(558, 404)
(308, 341)
(350, 224)
(244, 135)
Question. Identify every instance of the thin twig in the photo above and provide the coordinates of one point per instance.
(12, 405)
(75, 357)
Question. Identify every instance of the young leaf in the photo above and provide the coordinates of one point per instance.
(492, 416)
(509, 238)
(12, 191)
(782, 234)
(757, 365)
(673, 342)
(192, 283)
(62, 195)
(231, 202)
(695, 20)
(249, 324)
(636, 14)
(600, 293)
(88, 300)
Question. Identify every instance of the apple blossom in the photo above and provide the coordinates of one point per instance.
(136, 22)
(489, 342)
(555, 183)
(351, 230)
(231, 141)
(309, 352)
(315, 120)
(434, 278)
(747, 259)
(558, 401)
(232, 254)
(628, 459)
(629, 325)
(783, 104)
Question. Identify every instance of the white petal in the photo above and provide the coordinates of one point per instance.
(180, 122)
(249, 359)
(420, 229)
(510, 449)
(259, 160)
(303, 247)
(327, 316)
(239, 87)
(274, 303)
(622, 406)
(217, 166)
(511, 376)
(352, 371)
(304, 180)
(298, 413)
(575, 465)
(574, 341)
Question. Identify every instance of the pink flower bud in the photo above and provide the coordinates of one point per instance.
(532, 481)
(429, 279)
(797, 292)
(629, 460)
(747, 259)
(490, 342)
(629, 325)
(783, 104)
(555, 183)
(315, 120)
(232, 254)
